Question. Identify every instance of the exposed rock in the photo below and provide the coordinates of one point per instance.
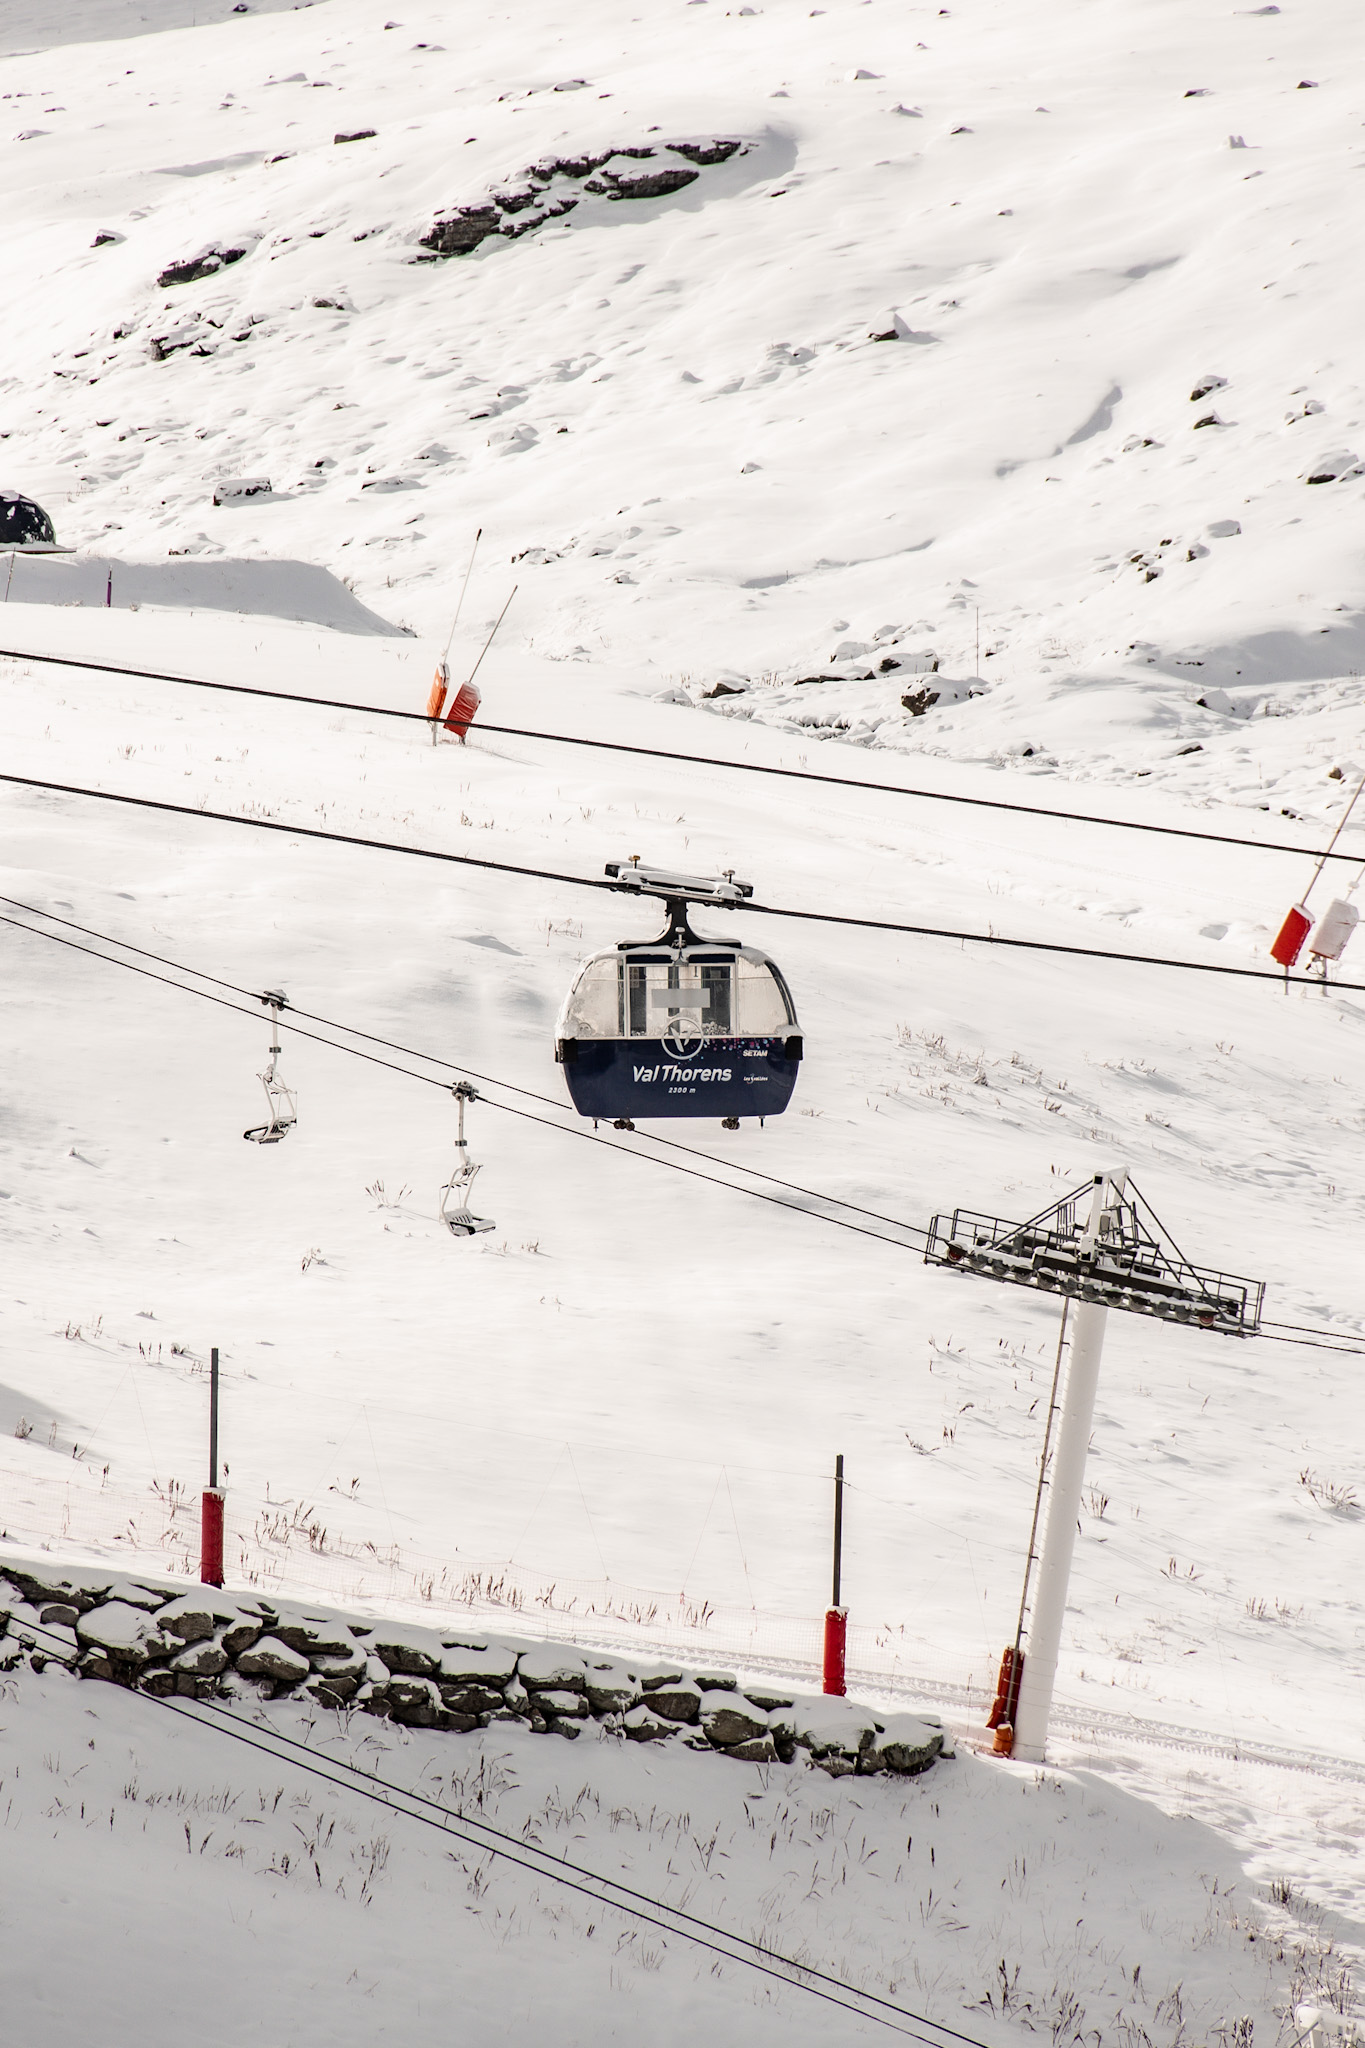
(315, 1638)
(332, 1692)
(201, 1659)
(647, 183)
(611, 1688)
(36, 1590)
(905, 1745)
(240, 1635)
(675, 1702)
(917, 702)
(217, 256)
(759, 1696)
(704, 152)
(1204, 386)
(570, 166)
(473, 1699)
(349, 1663)
(510, 229)
(173, 1644)
(762, 1750)
(409, 1654)
(563, 1704)
(270, 1658)
(189, 1619)
(728, 1719)
(231, 490)
(829, 1727)
(552, 1669)
(462, 231)
(62, 1612)
(414, 1701)
(355, 135)
(125, 1634)
(93, 1664)
(1330, 469)
(662, 1674)
(643, 1725)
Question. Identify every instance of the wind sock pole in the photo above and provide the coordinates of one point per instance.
(441, 680)
(211, 1509)
(836, 1615)
(468, 698)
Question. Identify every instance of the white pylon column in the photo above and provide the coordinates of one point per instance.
(1064, 1502)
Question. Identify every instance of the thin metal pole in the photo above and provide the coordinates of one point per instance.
(463, 588)
(489, 641)
(213, 1418)
(838, 1526)
(1341, 827)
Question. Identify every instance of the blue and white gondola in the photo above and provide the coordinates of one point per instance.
(679, 1026)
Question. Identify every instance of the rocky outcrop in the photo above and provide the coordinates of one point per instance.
(217, 256)
(641, 184)
(205, 1644)
(537, 194)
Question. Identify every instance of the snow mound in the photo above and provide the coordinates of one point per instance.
(298, 591)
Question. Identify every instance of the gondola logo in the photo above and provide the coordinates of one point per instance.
(643, 1074)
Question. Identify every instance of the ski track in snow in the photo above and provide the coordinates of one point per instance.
(670, 420)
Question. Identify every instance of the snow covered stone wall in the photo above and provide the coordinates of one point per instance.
(207, 1644)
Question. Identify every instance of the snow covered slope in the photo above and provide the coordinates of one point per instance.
(642, 1380)
(1044, 208)
(295, 1910)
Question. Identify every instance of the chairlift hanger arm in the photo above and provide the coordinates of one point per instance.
(638, 880)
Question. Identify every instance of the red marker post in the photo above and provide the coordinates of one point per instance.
(836, 1617)
(211, 1508)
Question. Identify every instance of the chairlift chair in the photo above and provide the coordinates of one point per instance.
(281, 1103)
(455, 1210)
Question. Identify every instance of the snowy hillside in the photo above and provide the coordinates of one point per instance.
(969, 391)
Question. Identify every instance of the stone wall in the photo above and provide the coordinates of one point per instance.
(205, 1644)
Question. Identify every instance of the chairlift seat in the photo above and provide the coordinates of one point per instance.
(461, 1223)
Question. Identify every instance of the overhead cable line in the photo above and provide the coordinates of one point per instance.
(497, 1843)
(1345, 1343)
(1280, 977)
(566, 739)
(510, 1109)
(454, 1066)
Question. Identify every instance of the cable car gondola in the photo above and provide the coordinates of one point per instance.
(679, 1025)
